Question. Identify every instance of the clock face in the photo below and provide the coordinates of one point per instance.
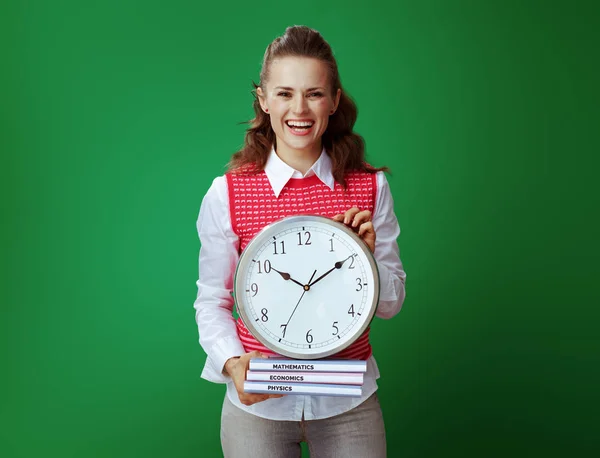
(306, 287)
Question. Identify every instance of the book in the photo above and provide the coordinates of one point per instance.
(340, 378)
(314, 389)
(311, 365)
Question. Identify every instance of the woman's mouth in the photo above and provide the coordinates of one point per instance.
(300, 127)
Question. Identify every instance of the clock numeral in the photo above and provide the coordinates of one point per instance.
(264, 316)
(351, 310)
(351, 266)
(331, 241)
(359, 284)
(254, 288)
(266, 267)
(306, 238)
(336, 329)
(282, 247)
(284, 326)
(309, 337)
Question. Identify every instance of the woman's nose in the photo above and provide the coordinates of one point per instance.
(300, 105)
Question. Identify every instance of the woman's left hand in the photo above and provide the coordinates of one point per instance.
(360, 222)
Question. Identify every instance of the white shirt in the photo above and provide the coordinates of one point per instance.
(214, 303)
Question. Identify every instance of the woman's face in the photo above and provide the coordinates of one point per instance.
(299, 101)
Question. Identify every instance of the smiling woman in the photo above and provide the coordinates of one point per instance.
(301, 107)
(299, 111)
(300, 156)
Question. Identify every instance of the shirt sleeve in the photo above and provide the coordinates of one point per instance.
(392, 277)
(214, 302)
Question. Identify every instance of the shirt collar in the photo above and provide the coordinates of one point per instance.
(279, 173)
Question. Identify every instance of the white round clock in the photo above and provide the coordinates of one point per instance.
(306, 287)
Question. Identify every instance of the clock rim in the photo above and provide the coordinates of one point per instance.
(265, 233)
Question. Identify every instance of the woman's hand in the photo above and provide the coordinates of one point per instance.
(236, 368)
(359, 221)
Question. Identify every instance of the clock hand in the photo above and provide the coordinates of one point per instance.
(306, 288)
(338, 265)
(286, 276)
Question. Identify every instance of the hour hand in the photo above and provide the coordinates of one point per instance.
(287, 276)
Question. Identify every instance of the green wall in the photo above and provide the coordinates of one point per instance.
(117, 115)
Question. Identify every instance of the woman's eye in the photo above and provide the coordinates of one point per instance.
(283, 94)
(315, 94)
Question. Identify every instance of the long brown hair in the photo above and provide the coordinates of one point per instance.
(345, 147)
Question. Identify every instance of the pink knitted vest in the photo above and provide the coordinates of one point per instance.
(253, 205)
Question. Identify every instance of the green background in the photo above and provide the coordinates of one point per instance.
(117, 115)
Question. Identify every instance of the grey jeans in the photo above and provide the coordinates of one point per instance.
(359, 433)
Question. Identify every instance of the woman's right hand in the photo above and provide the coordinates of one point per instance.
(236, 368)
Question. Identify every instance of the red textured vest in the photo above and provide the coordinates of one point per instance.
(253, 205)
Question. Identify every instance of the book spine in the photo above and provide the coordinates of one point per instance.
(341, 378)
(268, 364)
(314, 389)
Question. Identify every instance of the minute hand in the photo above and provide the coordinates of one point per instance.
(338, 265)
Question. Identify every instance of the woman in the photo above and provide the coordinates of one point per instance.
(303, 128)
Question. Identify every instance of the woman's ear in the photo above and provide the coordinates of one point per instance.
(261, 99)
(336, 101)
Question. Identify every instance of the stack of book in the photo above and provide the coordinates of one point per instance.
(322, 377)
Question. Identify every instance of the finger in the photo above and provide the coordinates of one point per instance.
(248, 399)
(248, 356)
(251, 398)
(339, 217)
(366, 229)
(260, 397)
(244, 361)
(349, 214)
(366, 232)
(361, 217)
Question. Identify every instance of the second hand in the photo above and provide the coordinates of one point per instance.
(306, 288)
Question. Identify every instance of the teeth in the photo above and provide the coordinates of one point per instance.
(300, 123)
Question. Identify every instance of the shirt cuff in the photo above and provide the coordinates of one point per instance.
(387, 291)
(391, 294)
(218, 355)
